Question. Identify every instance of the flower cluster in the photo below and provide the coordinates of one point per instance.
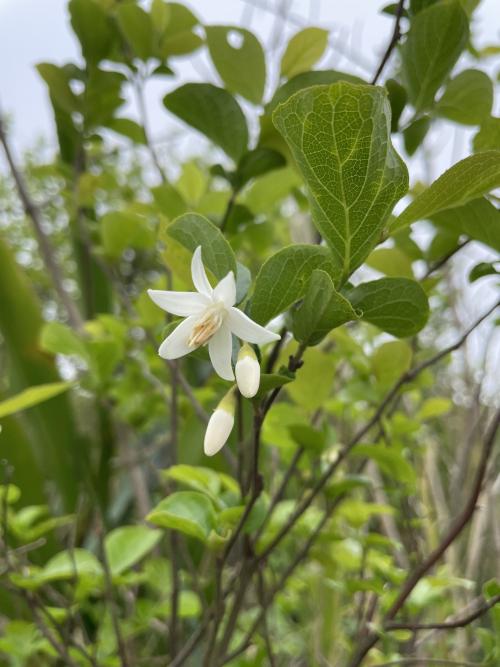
(212, 319)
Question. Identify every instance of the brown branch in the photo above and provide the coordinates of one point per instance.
(445, 625)
(443, 260)
(395, 37)
(47, 252)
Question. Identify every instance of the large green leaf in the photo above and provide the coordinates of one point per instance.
(303, 50)
(306, 80)
(468, 98)
(189, 512)
(127, 545)
(32, 396)
(284, 277)
(241, 65)
(340, 138)
(436, 39)
(322, 310)
(214, 112)
(479, 219)
(396, 305)
(468, 179)
(192, 230)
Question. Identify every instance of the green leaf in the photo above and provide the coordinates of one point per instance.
(436, 39)
(256, 163)
(483, 269)
(179, 38)
(57, 81)
(322, 310)
(197, 478)
(397, 99)
(396, 305)
(137, 28)
(283, 279)
(303, 50)
(269, 381)
(32, 396)
(58, 338)
(308, 437)
(434, 407)
(468, 98)
(391, 262)
(468, 179)
(488, 137)
(67, 565)
(306, 80)
(169, 200)
(127, 545)
(189, 512)
(212, 111)
(339, 136)
(239, 59)
(192, 230)
(128, 128)
(479, 219)
(415, 133)
(93, 29)
(125, 229)
(391, 360)
(390, 461)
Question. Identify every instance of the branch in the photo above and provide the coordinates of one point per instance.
(396, 36)
(46, 250)
(446, 625)
(404, 379)
(454, 531)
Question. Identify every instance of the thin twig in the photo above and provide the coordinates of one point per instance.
(395, 37)
(44, 244)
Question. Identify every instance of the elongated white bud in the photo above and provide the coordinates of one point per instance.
(220, 424)
(247, 371)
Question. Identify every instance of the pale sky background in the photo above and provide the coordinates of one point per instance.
(33, 31)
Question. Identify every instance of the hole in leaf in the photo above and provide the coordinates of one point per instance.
(235, 39)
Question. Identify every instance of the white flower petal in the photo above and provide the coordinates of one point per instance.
(246, 329)
(198, 274)
(220, 348)
(176, 345)
(218, 431)
(179, 303)
(225, 290)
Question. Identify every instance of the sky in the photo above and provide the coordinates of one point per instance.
(33, 31)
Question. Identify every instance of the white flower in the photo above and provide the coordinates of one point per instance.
(247, 372)
(210, 318)
(220, 425)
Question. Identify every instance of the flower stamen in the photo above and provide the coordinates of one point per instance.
(207, 325)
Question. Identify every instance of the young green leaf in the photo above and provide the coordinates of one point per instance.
(239, 59)
(322, 310)
(283, 279)
(391, 262)
(436, 39)
(192, 230)
(339, 137)
(468, 98)
(93, 28)
(390, 360)
(125, 229)
(488, 137)
(178, 38)
(468, 179)
(137, 28)
(32, 396)
(212, 111)
(396, 305)
(189, 512)
(127, 545)
(303, 50)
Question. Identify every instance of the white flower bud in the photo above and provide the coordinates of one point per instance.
(220, 425)
(247, 371)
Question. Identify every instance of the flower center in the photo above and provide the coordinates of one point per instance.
(208, 324)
